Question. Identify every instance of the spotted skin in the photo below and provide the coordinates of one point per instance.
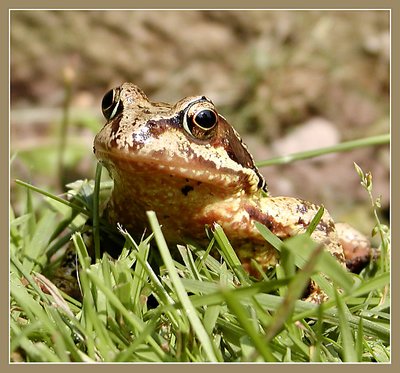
(190, 166)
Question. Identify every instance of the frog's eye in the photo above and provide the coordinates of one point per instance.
(111, 104)
(205, 119)
(200, 120)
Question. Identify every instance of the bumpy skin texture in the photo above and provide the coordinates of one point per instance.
(186, 163)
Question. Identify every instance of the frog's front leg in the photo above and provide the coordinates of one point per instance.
(287, 217)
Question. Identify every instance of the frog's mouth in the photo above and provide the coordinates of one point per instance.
(199, 169)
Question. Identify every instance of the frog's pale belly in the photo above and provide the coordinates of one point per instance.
(183, 207)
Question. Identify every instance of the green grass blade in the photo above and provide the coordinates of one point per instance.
(230, 255)
(302, 248)
(315, 220)
(345, 146)
(52, 196)
(295, 290)
(378, 282)
(191, 313)
(40, 239)
(130, 317)
(96, 218)
(259, 341)
(349, 352)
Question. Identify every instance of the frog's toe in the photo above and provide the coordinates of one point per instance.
(356, 247)
(314, 294)
(317, 297)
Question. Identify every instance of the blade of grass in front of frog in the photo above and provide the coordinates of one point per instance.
(101, 343)
(134, 347)
(330, 267)
(83, 255)
(371, 328)
(262, 275)
(210, 318)
(95, 303)
(229, 255)
(342, 147)
(315, 352)
(328, 264)
(167, 304)
(35, 352)
(188, 260)
(40, 240)
(212, 313)
(302, 309)
(49, 288)
(19, 335)
(17, 266)
(349, 354)
(303, 246)
(272, 239)
(210, 292)
(281, 274)
(95, 208)
(307, 310)
(29, 210)
(261, 347)
(294, 291)
(204, 259)
(138, 325)
(259, 290)
(191, 313)
(371, 284)
(52, 196)
(140, 276)
(202, 255)
(35, 311)
(315, 220)
(360, 340)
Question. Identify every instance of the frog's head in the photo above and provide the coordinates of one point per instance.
(188, 140)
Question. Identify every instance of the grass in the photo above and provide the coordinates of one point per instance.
(194, 309)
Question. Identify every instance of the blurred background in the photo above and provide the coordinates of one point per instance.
(288, 81)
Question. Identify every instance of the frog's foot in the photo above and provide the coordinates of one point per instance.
(356, 247)
(315, 294)
(316, 297)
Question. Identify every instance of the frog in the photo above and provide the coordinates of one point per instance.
(188, 164)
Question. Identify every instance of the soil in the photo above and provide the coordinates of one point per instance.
(287, 81)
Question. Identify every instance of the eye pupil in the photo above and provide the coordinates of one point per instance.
(206, 119)
(111, 105)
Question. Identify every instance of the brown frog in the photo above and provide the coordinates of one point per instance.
(190, 166)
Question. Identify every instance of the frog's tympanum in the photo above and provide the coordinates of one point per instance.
(189, 165)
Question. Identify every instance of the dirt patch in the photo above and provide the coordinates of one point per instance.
(268, 72)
